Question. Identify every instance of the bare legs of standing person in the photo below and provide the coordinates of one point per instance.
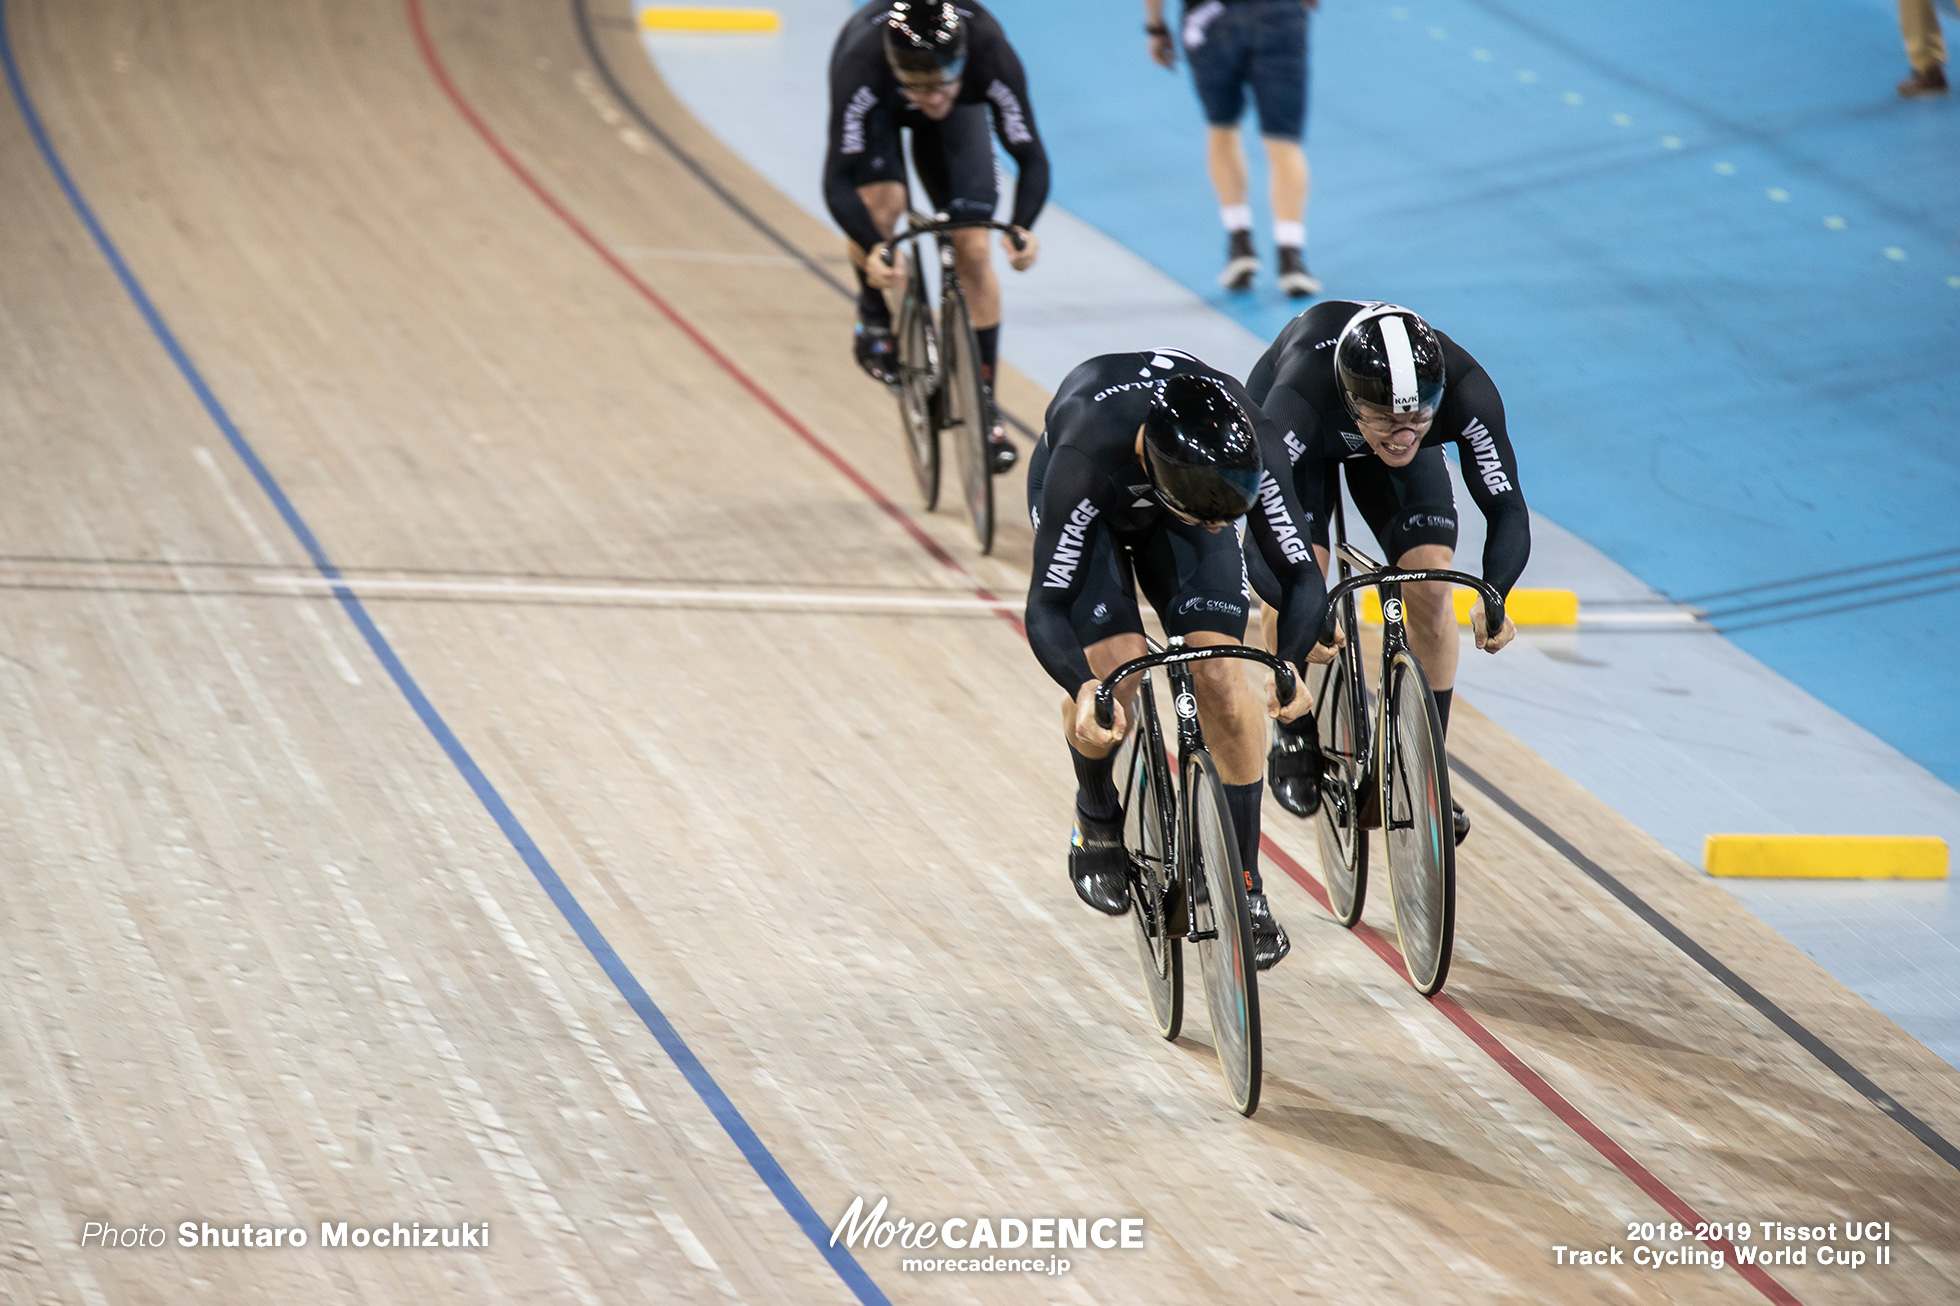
(1290, 183)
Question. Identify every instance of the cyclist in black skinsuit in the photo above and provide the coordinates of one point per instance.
(1333, 383)
(1146, 461)
(940, 69)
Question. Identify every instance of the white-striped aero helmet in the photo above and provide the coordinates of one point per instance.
(1388, 363)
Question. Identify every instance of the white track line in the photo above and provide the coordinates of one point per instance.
(653, 595)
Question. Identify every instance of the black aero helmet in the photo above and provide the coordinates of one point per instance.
(925, 43)
(1389, 363)
(1201, 451)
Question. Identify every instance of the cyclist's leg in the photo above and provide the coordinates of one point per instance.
(958, 173)
(881, 185)
(1196, 580)
(1414, 518)
(1110, 627)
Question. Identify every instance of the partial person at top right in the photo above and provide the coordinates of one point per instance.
(1371, 388)
(1925, 49)
(1258, 45)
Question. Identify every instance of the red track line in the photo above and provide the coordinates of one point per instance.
(1574, 1118)
(822, 447)
(1463, 1020)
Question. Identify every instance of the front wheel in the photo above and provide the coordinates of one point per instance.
(1341, 713)
(1224, 930)
(1416, 824)
(1148, 837)
(966, 415)
(918, 378)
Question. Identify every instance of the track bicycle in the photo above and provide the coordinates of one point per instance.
(1187, 880)
(940, 386)
(1388, 771)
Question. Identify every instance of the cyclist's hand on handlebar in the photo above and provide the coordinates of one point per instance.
(884, 268)
(1487, 642)
(1023, 258)
(1086, 729)
(1302, 701)
(1322, 655)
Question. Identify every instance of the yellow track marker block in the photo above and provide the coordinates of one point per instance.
(672, 18)
(1826, 856)
(1526, 607)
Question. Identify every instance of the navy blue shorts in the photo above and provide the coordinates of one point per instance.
(1257, 43)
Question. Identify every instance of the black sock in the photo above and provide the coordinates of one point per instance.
(1095, 786)
(988, 338)
(1442, 697)
(1243, 800)
(871, 303)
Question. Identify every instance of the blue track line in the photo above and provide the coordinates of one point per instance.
(711, 1093)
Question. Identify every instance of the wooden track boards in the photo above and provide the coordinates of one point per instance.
(265, 957)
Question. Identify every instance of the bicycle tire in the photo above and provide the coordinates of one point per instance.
(1341, 714)
(1225, 959)
(1149, 808)
(918, 367)
(1416, 824)
(963, 412)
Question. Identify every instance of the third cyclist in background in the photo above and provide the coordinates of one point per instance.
(1260, 45)
(938, 69)
(1373, 389)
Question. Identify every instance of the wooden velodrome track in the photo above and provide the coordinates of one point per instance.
(640, 708)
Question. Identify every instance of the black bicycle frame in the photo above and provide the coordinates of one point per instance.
(1177, 660)
(941, 230)
(1390, 582)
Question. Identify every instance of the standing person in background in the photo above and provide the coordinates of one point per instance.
(1925, 50)
(1261, 44)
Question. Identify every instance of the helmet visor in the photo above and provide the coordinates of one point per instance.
(1209, 496)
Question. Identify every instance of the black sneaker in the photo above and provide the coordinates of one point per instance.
(876, 350)
(1293, 769)
(1241, 262)
(1269, 942)
(1294, 279)
(1098, 866)
(1460, 820)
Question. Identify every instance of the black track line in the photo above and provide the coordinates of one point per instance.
(582, 15)
(1742, 988)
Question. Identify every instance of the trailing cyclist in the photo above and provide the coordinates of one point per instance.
(1146, 462)
(1372, 388)
(939, 69)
